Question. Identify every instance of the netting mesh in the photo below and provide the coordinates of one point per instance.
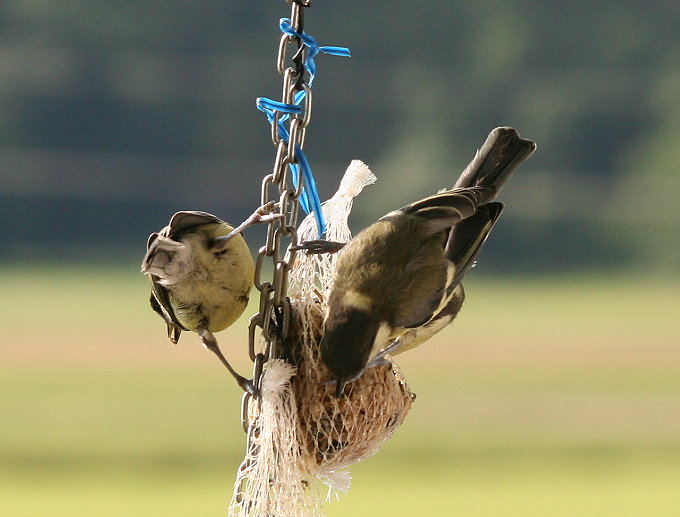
(316, 271)
(300, 430)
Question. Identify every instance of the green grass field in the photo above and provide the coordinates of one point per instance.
(547, 397)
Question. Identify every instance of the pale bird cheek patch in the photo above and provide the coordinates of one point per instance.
(384, 335)
(355, 300)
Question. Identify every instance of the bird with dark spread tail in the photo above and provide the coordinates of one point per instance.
(398, 281)
(201, 273)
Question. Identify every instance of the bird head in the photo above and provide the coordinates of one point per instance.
(346, 344)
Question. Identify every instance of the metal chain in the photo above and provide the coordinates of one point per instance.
(273, 316)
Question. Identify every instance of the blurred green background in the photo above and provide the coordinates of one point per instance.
(555, 393)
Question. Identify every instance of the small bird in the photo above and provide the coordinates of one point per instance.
(201, 273)
(398, 281)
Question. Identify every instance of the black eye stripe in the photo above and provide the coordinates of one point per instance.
(210, 243)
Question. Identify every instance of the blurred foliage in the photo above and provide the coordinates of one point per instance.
(115, 114)
(544, 398)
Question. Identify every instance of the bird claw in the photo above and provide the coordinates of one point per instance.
(318, 247)
(338, 384)
(379, 360)
(264, 214)
(248, 386)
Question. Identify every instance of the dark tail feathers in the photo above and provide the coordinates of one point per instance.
(503, 151)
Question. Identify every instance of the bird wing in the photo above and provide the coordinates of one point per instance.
(188, 218)
(464, 242)
(445, 209)
(160, 298)
(467, 238)
(464, 226)
(415, 336)
(161, 305)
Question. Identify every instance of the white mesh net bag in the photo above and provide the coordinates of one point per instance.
(300, 431)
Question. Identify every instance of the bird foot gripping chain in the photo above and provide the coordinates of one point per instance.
(210, 343)
(318, 247)
(263, 215)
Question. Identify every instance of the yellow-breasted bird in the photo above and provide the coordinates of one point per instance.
(201, 273)
(398, 281)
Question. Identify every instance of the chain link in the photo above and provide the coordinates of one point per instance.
(273, 317)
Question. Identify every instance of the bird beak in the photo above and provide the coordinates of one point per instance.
(339, 388)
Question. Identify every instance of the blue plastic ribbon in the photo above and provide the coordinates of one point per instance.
(313, 47)
(311, 185)
(309, 196)
(271, 108)
(266, 105)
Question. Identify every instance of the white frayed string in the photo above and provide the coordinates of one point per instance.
(339, 481)
(317, 271)
(269, 481)
(356, 177)
(276, 381)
